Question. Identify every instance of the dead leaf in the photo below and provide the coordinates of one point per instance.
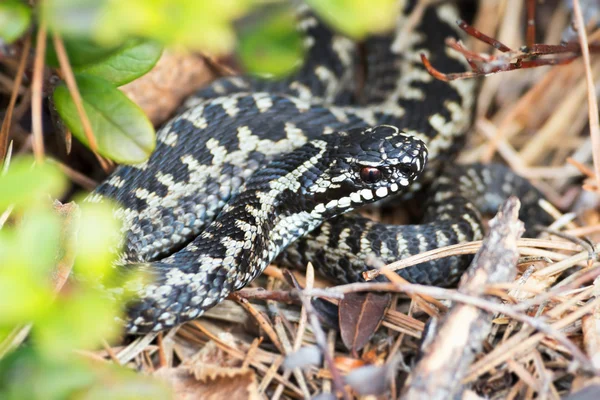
(360, 314)
(218, 384)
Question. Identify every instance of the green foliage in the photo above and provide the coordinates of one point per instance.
(82, 52)
(14, 20)
(38, 240)
(122, 130)
(189, 24)
(26, 184)
(357, 18)
(117, 64)
(271, 45)
(26, 375)
(73, 18)
(127, 63)
(110, 43)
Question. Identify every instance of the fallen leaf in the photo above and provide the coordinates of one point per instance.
(221, 383)
(360, 314)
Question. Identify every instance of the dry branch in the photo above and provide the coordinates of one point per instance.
(450, 348)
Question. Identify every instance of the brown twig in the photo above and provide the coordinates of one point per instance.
(67, 72)
(452, 345)
(321, 340)
(531, 22)
(592, 100)
(37, 92)
(6, 123)
(509, 60)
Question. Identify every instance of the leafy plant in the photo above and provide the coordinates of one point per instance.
(111, 43)
(102, 44)
(37, 250)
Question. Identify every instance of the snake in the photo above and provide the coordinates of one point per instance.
(253, 170)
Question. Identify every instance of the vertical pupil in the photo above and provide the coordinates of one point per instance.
(371, 175)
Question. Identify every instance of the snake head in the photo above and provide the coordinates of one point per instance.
(366, 165)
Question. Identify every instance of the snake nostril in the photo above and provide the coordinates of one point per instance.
(407, 169)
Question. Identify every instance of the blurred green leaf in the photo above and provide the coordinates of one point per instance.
(15, 17)
(77, 18)
(191, 24)
(25, 374)
(272, 45)
(129, 62)
(40, 228)
(98, 238)
(130, 387)
(358, 18)
(81, 52)
(122, 130)
(80, 319)
(27, 255)
(25, 184)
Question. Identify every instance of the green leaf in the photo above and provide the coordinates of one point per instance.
(82, 52)
(122, 130)
(25, 278)
(75, 18)
(25, 184)
(358, 18)
(272, 45)
(191, 24)
(129, 62)
(99, 232)
(26, 374)
(81, 319)
(14, 20)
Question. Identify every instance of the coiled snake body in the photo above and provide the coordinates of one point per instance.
(251, 166)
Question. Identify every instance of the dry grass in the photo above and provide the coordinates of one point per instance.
(545, 338)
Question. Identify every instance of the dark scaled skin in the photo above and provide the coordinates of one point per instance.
(183, 210)
(278, 204)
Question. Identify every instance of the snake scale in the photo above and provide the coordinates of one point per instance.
(254, 169)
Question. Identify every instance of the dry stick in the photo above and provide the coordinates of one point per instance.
(464, 249)
(110, 352)
(321, 340)
(310, 281)
(522, 341)
(590, 326)
(5, 130)
(452, 346)
(531, 23)
(592, 101)
(514, 311)
(70, 214)
(251, 352)
(36, 90)
(162, 357)
(67, 72)
(261, 320)
(76, 176)
(420, 300)
(279, 328)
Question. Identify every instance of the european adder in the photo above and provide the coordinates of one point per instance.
(251, 169)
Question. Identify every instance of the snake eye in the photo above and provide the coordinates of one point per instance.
(370, 174)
